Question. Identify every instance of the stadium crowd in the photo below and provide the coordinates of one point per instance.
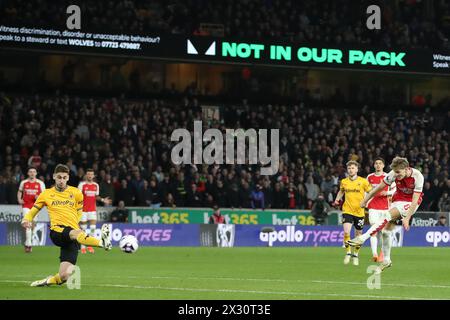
(128, 145)
(406, 23)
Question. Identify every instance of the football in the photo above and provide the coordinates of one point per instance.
(129, 244)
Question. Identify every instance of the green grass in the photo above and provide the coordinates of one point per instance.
(227, 273)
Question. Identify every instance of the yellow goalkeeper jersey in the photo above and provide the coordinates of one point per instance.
(64, 207)
(354, 193)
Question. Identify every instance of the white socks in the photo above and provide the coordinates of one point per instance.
(84, 228)
(374, 245)
(92, 230)
(28, 236)
(386, 244)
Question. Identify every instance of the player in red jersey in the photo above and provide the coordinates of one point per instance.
(90, 191)
(378, 205)
(405, 202)
(27, 194)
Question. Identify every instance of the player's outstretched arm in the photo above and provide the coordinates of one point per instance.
(27, 221)
(372, 193)
(338, 198)
(412, 208)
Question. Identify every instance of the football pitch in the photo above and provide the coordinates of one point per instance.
(227, 274)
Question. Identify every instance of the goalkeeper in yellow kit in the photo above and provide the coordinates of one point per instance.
(64, 204)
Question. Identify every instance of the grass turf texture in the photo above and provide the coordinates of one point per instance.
(227, 274)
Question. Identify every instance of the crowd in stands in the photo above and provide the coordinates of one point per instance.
(405, 23)
(128, 145)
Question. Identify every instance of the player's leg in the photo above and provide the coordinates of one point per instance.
(401, 207)
(68, 258)
(83, 226)
(82, 238)
(347, 226)
(92, 220)
(66, 267)
(386, 216)
(374, 216)
(387, 242)
(358, 224)
(28, 234)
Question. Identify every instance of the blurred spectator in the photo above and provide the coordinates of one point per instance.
(169, 201)
(125, 194)
(278, 197)
(209, 200)
(120, 214)
(166, 187)
(194, 198)
(156, 199)
(442, 222)
(257, 197)
(216, 217)
(245, 196)
(35, 160)
(233, 196)
(268, 194)
(320, 210)
(312, 189)
(107, 188)
(292, 197)
(220, 194)
(137, 183)
(427, 199)
(327, 186)
(435, 192)
(444, 202)
(180, 190)
(144, 195)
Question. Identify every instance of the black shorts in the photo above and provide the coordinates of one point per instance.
(69, 248)
(358, 222)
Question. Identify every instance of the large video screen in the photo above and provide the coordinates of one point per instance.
(223, 50)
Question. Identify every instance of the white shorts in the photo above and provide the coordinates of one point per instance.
(25, 211)
(402, 207)
(376, 215)
(91, 215)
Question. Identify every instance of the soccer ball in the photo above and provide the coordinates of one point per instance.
(128, 244)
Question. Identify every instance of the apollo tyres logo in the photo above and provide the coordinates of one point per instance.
(436, 237)
(289, 234)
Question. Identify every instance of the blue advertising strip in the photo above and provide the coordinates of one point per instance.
(289, 236)
(175, 235)
(329, 236)
(183, 235)
(427, 237)
(194, 235)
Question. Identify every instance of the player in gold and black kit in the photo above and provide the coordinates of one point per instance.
(354, 189)
(64, 204)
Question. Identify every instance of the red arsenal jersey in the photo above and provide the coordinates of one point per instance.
(30, 191)
(378, 202)
(89, 191)
(406, 187)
